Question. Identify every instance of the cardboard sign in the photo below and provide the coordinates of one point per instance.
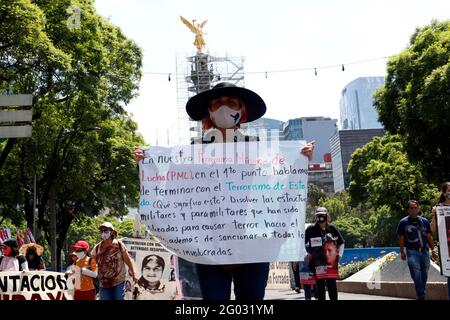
(443, 226)
(155, 269)
(35, 285)
(226, 203)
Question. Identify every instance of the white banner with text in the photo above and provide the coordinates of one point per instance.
(225, 203)
(443, 224)
(35, 285)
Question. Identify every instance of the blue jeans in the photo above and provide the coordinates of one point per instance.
(113, 293)
(307, 289)
(249, 280)
(419, 264)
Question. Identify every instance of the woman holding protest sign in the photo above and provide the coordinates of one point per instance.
(222, 110)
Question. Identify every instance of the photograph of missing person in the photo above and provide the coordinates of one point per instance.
(150, 282)
(328, 268)
(330, 253)
(153, 268)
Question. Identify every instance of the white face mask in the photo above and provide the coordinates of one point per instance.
(225, 117)
(80, 255)
(105, 235)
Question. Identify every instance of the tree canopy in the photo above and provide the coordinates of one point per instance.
(381, 174)
(415, 100)
(81, 78)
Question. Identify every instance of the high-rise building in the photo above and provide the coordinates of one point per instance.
(265, 128)
(357, 110)
(319, 129)
(321, 175)
(343, 144)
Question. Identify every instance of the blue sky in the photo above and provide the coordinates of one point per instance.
(270, 35)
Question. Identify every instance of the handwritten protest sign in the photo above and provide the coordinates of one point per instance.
(155, 270)
(34, 285)
(443, 223)
(226, 203)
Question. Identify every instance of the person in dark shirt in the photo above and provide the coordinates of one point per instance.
(33, 252)
(415, 235)
(320, 240)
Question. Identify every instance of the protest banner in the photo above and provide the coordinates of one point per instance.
(278, 276)
(155, 269)
(443, 226)
(326, 259)
(226, 203)
(307, 274)
(34, 285)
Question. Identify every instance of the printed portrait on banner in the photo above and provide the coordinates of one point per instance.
(325, 252)
(155, 270)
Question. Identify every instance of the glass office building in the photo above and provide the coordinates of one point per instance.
(320, 129)
(357, 110)
(343, 144)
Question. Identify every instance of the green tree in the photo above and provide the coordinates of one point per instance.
(335, 207)
(415, 100)
(81, 78)
(381, 174)
(354, 230)
(383, 224)
(314, 196)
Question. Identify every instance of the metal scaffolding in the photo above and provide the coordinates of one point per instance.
(197, 73)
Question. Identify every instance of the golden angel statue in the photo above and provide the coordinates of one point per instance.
(197, 29)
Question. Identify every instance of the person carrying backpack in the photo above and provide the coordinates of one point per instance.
(112, 258)
(415, 236)
(11, 259)
(85, 287)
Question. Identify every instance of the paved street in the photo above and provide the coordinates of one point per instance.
(288, 294)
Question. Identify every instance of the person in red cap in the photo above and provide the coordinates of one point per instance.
(87, 271)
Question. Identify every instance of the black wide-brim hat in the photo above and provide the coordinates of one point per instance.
(197, 106)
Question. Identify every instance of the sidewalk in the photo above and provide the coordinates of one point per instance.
(288, 294)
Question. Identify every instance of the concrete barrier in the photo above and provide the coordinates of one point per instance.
(434, 291)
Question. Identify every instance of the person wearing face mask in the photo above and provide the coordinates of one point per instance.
(444, 200)
(415, 236)
(33, 252)
(317, 238)
(87, 272)
(222, 110)
(112, 257)
(12, 260)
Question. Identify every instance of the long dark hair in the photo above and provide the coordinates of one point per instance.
(444, 188)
